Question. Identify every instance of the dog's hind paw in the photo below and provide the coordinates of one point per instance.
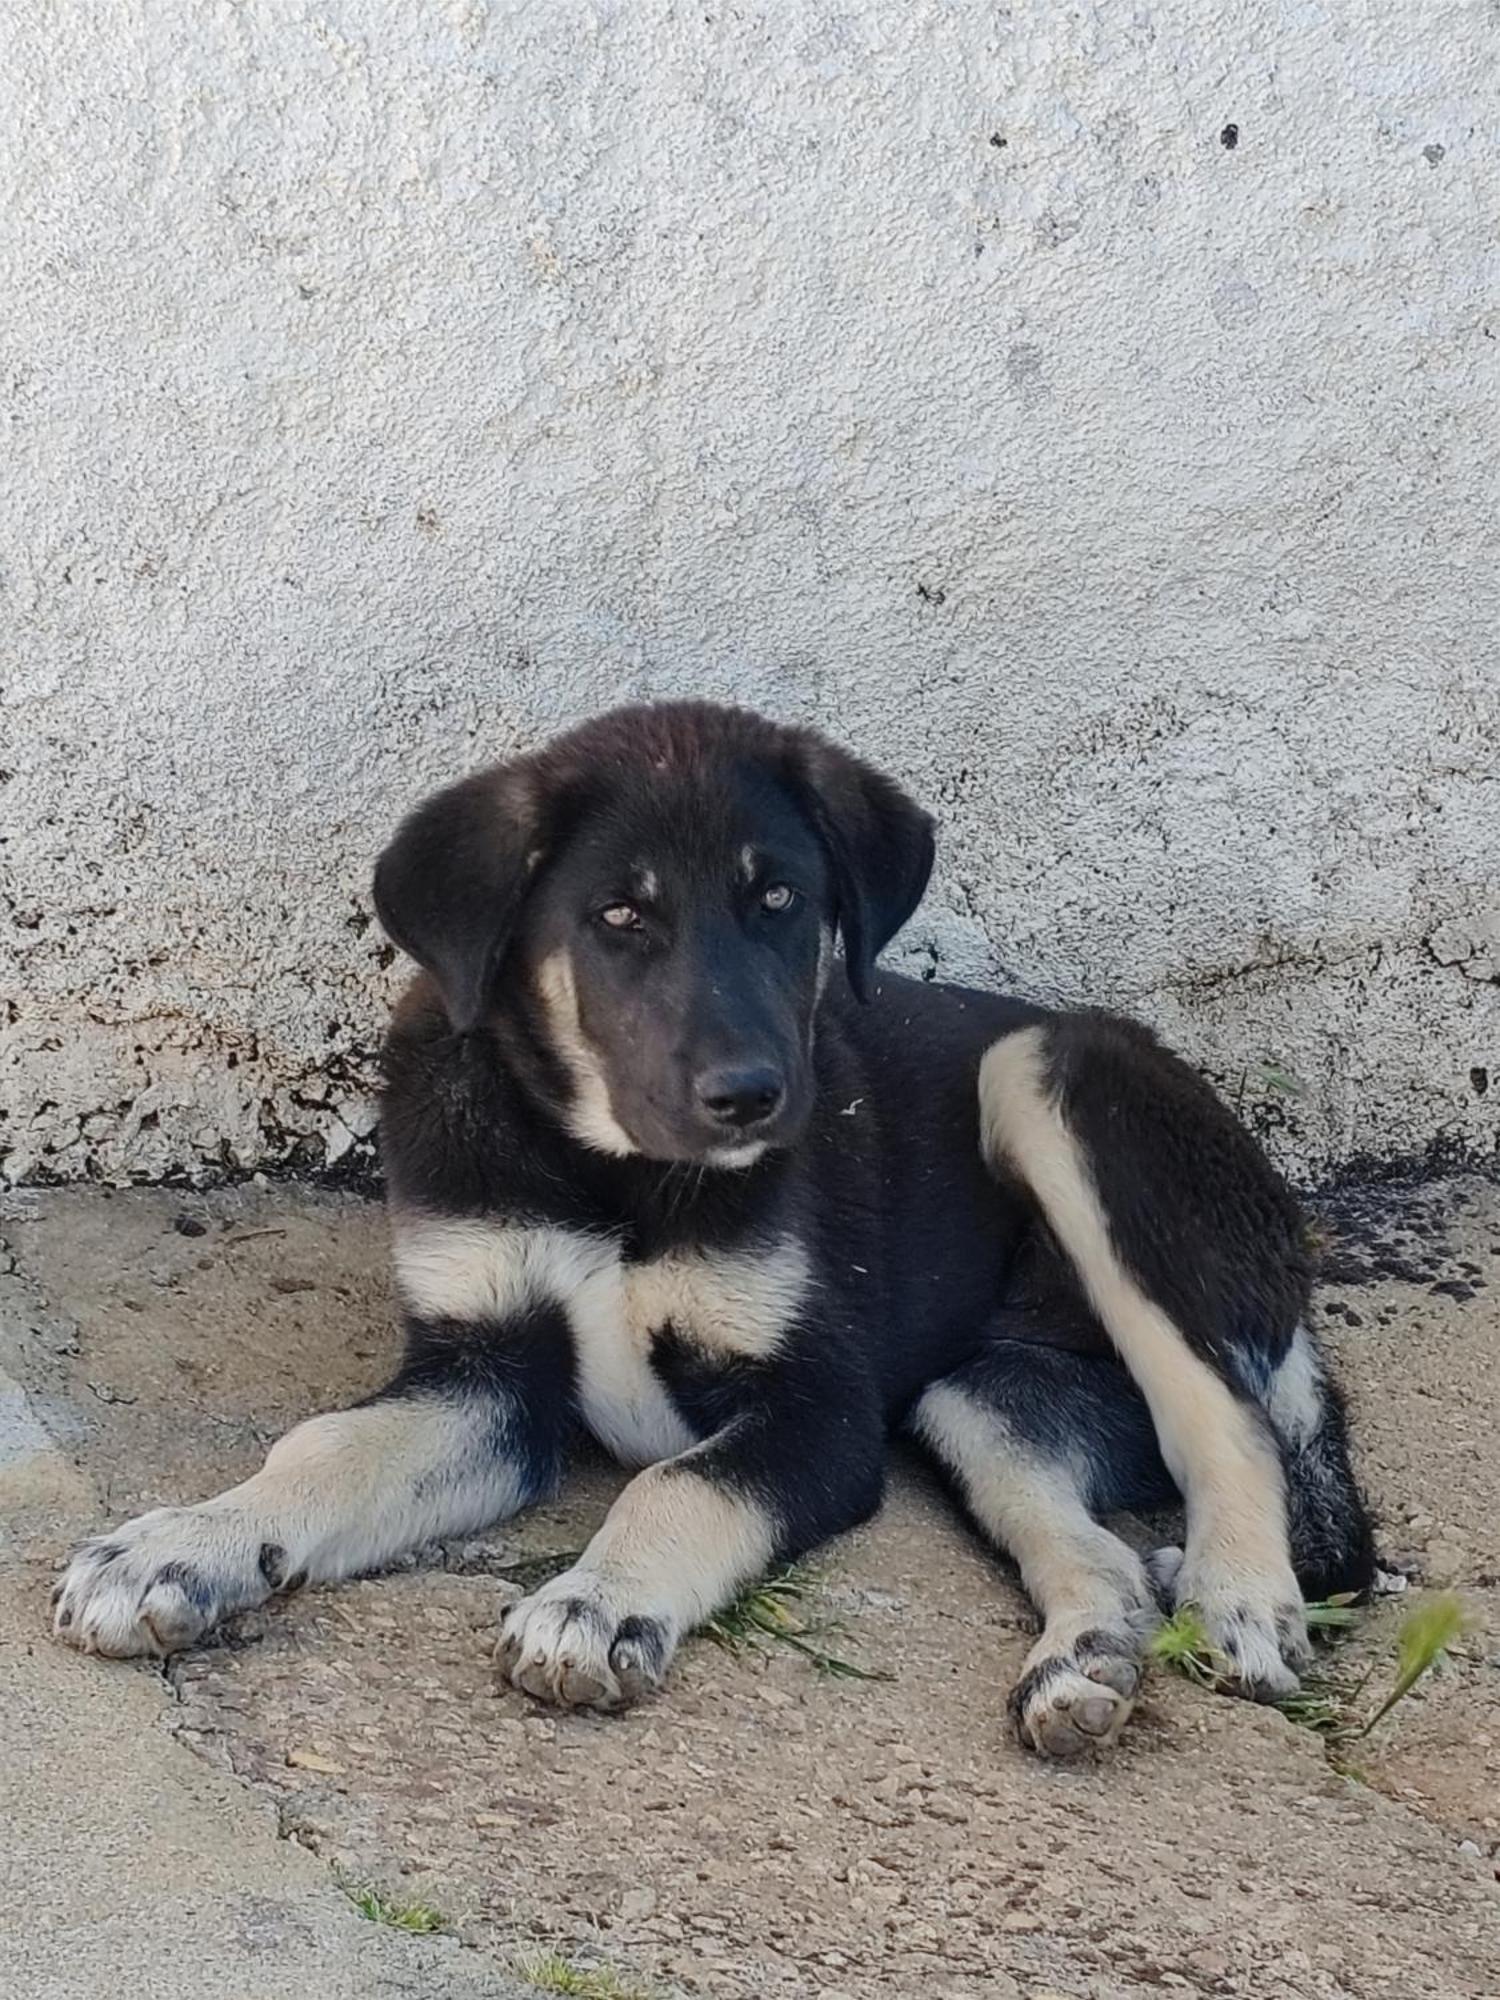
(1255, 1625)
(1078, 1698)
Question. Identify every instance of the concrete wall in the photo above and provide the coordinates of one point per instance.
(1089, 411)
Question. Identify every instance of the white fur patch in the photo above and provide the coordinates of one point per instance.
(737, 1303)
(473, 1270)
(468, 1269)
(734, 1303)
(620, 1396)
(1295, 1401)
(678, 1544)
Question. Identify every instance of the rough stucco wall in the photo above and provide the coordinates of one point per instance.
(386, 383)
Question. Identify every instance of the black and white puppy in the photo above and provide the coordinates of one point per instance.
(660, 1164)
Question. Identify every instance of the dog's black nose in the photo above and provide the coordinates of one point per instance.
(740, 1097)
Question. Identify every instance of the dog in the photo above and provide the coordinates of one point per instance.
(668, 1157)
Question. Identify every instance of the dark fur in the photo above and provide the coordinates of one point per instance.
(924, 1266)
(658, 1161)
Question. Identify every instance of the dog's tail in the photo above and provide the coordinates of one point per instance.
(1333, 1545)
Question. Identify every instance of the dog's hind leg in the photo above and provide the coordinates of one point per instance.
(1190, 1252)
(1038, 1442)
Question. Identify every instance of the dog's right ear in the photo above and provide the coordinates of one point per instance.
(450, 886)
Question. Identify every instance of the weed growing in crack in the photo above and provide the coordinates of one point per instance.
(553, 1971)
(417, 1919)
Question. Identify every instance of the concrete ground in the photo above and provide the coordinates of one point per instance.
(761, 1829)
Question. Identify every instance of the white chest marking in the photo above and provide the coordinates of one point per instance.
(730, 1304)
(620, 1395)
(734, 1303)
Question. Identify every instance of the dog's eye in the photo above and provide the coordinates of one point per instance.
(780, 896)
(621, 916)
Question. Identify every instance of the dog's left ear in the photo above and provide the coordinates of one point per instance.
(880, 847)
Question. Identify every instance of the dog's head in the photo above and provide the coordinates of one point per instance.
(653, 898)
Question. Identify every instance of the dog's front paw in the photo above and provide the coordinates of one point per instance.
(158, 1583)
(579, 1642)
(1078, 1698)
(1254, 1624)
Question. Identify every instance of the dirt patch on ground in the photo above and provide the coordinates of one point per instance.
(761, 1828)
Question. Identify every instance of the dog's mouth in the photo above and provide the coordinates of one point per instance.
(731, 1151)
(737, 1158)
(691, 1143)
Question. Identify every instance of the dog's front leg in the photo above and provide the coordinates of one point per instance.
(687, 1534)
(469, 1431)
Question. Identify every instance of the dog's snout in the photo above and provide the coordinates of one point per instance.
(741, 1096)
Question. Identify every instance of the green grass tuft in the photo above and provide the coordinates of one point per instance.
(1182, 1643)
(1334, 1614)
(420, 1919)
(1319, 1705)
(764, 1611)
(769, 1611)
(1427, 1633)
(551, 1972)
(1324, 1703)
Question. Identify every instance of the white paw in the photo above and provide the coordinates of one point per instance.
(156, 1584)
(1255, 1622)
(579, 1642)
(1080, 1697)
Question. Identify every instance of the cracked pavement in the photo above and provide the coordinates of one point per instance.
(758, 1829)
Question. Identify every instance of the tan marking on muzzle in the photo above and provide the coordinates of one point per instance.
(591, 1116)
